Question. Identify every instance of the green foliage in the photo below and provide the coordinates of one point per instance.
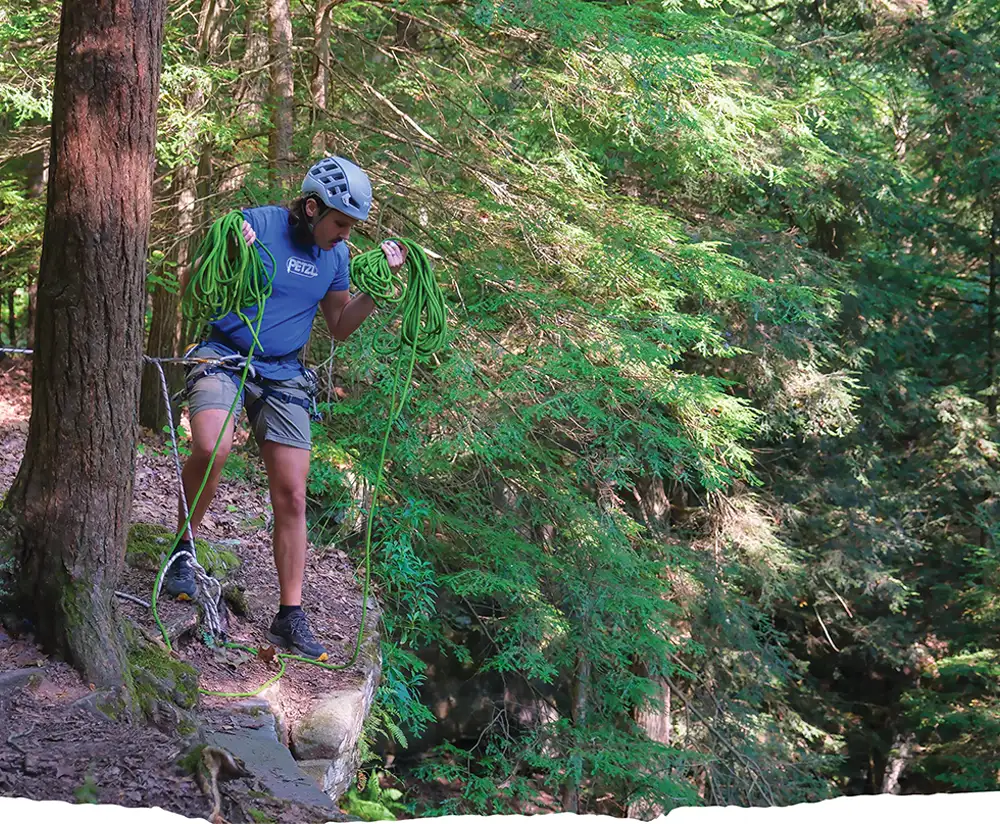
(371, 802)
(714, 424)
(87, 792)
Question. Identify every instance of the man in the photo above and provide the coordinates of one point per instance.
(308, 242)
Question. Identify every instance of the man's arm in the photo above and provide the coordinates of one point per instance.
(343, 313)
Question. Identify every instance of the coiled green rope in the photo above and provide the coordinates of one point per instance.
(231, 278)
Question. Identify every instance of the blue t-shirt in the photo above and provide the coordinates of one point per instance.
(303, 277)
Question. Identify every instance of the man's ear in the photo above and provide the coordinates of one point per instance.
(311, 207)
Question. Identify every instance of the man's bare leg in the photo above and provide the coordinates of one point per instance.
(206, 425)
(205, 428)
(287, 471)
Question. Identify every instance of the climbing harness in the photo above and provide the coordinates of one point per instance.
(231, 277)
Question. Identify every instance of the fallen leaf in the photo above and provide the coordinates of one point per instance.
(267, 654)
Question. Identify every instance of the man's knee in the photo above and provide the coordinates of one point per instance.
(288, 500)
(201, 451)
(205, 429)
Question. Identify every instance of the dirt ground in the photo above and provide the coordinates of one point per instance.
(53, 745)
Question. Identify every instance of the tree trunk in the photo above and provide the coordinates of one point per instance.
(38, 174)
(902, 752)
(11, 319)
(578, 712)
(71, 500)
(251, 87)
(658, 724)
(407, 32)
(32, 309)
(211, 26)
(991, 315)
(165, 327)
(282, 92)
(38, 181)
(320, 77)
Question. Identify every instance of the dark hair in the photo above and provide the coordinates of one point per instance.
(299, 220)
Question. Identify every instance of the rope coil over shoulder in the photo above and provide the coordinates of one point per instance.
(231, 277)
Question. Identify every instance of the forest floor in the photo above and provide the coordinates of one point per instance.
(52, 743)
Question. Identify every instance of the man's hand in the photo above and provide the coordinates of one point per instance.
(249, 235)
(395, 254)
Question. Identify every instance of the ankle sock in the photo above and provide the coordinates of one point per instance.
(284, 611)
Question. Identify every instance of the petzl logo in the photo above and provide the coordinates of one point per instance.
(302, 268)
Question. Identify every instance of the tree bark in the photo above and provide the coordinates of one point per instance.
(991, 315)
(658, 724)
(11, 319)
(165, 326)
(282, 92)
(211, 26)
(578, 713)
(251, 88)
(38, 181)
(902, 752)
(320, 77)
(71, 500)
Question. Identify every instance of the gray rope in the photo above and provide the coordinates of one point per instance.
(233, 361)
(209, 592)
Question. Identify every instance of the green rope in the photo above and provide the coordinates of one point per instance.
(219, 286)
(230, 277)
(222, 285)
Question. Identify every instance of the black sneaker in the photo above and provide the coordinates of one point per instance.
(292, 632)
(178, 582)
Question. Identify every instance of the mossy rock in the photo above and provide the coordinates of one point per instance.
(148, 545)
(7, 565)
(155, 677)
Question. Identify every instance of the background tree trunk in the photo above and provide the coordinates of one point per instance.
(902, 752)
(11, 319)
(578, 713)
(282, 91)
(37, 183)
(991, 315)
(251, 88)
(72, 496)
(321, 75)
(165, 326)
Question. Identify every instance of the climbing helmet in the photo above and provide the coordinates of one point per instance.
(341, 185)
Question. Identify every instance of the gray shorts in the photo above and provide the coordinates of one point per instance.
(275, 419)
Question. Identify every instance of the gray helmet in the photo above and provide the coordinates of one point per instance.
(340, 185)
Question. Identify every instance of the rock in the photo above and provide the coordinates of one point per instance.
(236, 597)
(329, 735)
(15, 679)
(99, 704)
(266, 704)
(334, 778)
(270, 762)
(331, 728)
